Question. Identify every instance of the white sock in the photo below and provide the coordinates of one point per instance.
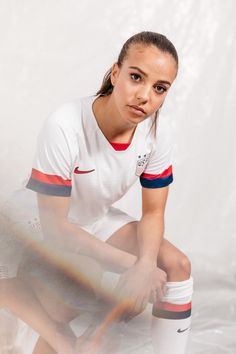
(171, 318)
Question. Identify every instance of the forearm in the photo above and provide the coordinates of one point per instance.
(150, 234)
(72, 238)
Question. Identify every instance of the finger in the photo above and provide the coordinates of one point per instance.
(128, 306)
(159, 294)
(162, 276)
(132, 310)
(145, 303)
(153, 297)
(140, 306)
(129, 314)
(164, 289)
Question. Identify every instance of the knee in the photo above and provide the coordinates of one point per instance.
(57, 309)
(179, 268)
(63, 315)
(185, 265)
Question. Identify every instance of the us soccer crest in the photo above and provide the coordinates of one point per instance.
(142, 163)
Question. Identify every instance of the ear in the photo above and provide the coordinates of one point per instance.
(114, 73)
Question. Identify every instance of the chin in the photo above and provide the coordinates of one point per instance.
(135, 120)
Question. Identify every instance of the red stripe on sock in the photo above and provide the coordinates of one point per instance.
(173, 307)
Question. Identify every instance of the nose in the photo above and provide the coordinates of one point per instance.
(142, 94)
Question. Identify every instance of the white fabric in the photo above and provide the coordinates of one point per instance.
(171, 335)
(112, 221)
(44, 62)
(165, 336)
(179, 292)
(72, 139)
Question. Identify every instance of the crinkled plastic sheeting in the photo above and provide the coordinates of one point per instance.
(201, 108)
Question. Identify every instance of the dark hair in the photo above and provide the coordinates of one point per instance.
(145, 38)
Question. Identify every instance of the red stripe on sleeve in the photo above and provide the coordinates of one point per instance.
(165, 173)
(49, 179)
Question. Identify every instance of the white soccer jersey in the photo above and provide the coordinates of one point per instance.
(75, 159)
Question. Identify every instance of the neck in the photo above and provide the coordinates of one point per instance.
(110, 122)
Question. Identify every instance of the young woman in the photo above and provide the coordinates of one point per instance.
(89, 154)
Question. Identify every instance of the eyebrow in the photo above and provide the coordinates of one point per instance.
(144, 74)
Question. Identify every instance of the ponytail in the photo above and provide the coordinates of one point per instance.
(106, 87)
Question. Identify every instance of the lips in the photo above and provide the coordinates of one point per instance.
(137, 108)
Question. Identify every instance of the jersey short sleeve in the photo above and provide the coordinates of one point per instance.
(53, 163)
(158, 172)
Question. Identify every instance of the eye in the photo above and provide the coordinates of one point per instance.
(160, 89)
(135, 77)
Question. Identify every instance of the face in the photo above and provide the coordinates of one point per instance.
(142, 82)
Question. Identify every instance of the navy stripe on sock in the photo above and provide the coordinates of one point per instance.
(170, 314)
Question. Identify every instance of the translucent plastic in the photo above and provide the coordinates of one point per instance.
(52, 52)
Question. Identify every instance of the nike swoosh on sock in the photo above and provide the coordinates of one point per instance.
(182, 330)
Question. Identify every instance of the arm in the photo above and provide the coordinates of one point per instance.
(58, 230)
(139, 283)
(151, 225)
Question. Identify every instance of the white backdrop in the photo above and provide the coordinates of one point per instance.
(55, 50)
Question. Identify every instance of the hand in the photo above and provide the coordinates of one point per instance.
(137, 286)
(159, 287)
